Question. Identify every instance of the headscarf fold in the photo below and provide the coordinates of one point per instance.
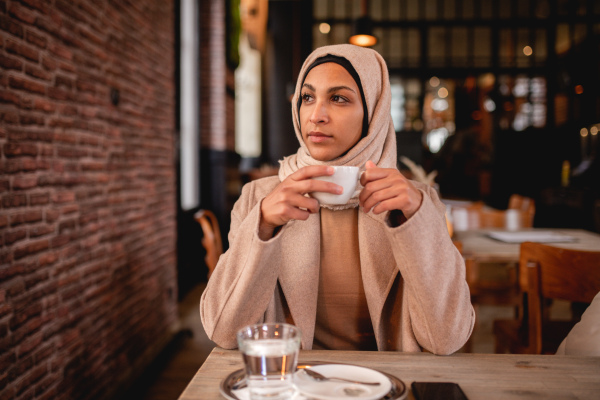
(379, 145)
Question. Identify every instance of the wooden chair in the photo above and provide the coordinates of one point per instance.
(526, 205)
(491, 283)
(547, 273)
(212, 238)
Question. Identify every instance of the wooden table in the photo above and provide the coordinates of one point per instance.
(481, 376)
(481, 248)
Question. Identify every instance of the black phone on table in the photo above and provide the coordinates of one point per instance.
(437, 391)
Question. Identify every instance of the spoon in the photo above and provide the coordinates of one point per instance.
(318, 377)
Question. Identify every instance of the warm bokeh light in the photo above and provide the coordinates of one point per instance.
(363, 40)
(434, 81)
(578, 89)
(418, 125)
(527, 50)
(324, 28)
(583, 132)
(443, 93)
(594, 130)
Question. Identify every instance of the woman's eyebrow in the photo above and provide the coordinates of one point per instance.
(330, 90)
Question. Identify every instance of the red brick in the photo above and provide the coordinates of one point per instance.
(36, 199)
(25, 217)
(31, 119)
(61, 80)
(31, 377)
(61, 123)
(8, 393)
(47, 24)
(26, 103)
(22, 49)
(61, 240)
(9, 25)
(10, 62)
(60, 94)
(40, 230)
(39, 5)
(49, 63)
(51, 215)
(63, 197)
(15, 235)
(9, 117)
(3, 220)
(60, 50)
(4, 186)
(14, 200)
(41, 388)
(7, 359)
(35, 39)
(9, 97)
(44, 105)
(24, 182)
(19, 164)
(48, 258)
(21, 13)
(53, 392)
(31, 248)
(9, 271)
(32, 280)
(26, 84)
(37, 72)
(86, 86)
(20, 149)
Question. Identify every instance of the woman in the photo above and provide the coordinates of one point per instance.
(379, 272)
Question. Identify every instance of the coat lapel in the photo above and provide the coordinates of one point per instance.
(299, 278)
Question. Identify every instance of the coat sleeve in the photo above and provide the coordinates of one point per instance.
(435, 289)
(244, 280)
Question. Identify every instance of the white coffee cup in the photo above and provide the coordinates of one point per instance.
(345, 176)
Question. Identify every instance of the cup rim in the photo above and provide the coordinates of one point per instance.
(253, 327)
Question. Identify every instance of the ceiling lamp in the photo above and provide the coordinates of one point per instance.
(362, 29)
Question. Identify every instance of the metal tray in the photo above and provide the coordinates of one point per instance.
(398, 391)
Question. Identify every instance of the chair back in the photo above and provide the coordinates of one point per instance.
(526, 206)
(555, 273)
(211, 239)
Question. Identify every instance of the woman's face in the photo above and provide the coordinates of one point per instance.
(331, 112)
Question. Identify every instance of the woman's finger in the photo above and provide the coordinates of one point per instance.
(311, 171)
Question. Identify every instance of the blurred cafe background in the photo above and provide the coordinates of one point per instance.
(121, 120)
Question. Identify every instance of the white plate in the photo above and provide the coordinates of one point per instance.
(529, 236)
(335, 390)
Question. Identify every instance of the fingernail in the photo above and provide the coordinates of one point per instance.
(339, 190)
(330, 170)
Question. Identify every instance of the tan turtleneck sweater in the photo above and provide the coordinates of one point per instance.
(343, 321)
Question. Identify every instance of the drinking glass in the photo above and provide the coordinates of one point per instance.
(270, 353)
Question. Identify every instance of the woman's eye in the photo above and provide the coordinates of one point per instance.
(306, 97)
(338, 99)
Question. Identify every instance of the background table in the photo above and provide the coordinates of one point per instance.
(481, 376)
(478, 246)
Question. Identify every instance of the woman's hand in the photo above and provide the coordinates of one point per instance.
(288, 201)
(386, 189)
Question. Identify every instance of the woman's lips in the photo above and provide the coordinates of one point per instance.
(317, 137)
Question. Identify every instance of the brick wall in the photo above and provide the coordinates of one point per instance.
(87, 194)
(217, 99)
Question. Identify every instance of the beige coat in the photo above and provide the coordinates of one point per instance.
(413, 276)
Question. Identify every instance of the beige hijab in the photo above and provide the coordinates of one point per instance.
(379, 145)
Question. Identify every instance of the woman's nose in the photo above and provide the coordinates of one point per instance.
(319, 113)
